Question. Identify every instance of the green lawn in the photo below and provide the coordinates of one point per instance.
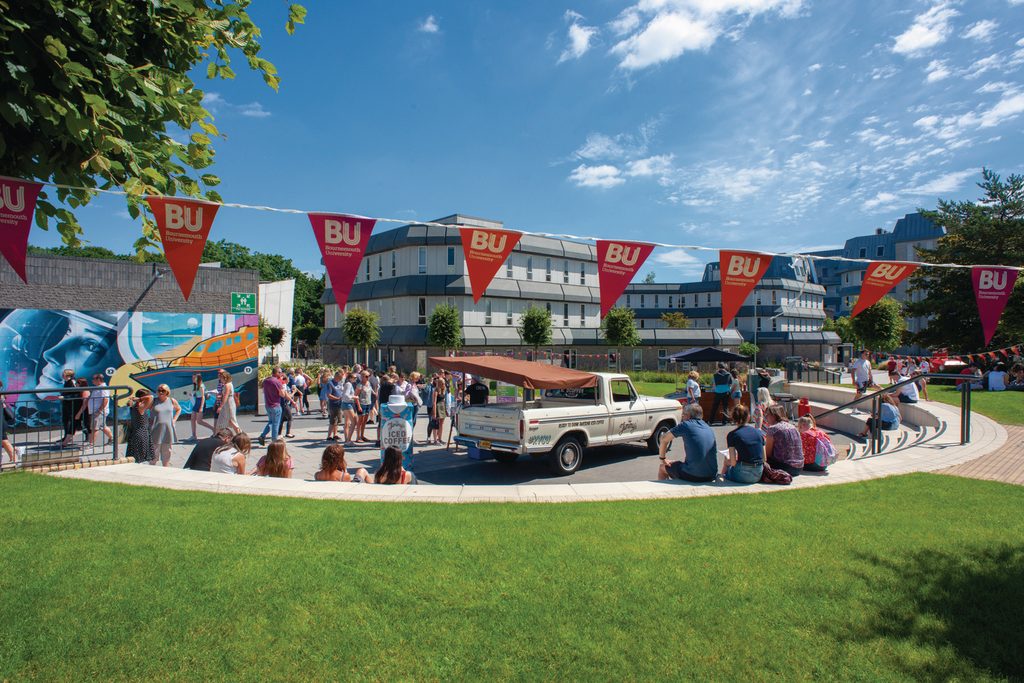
(916, 577)
(1005, 407)
(656, 389)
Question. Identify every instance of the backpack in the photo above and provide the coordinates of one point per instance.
(824, 451)
(771, 475)
(427, 394)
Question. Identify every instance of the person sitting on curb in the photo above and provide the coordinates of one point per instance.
(782, 445)
(811, 437)
(276, 463)
(391, 470)
(230, 458)
(701, 460)
(908, 393)
(745, 463)
(334, 468)
(202, 453)
(890, 416)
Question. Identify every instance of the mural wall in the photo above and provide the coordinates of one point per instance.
(138, 350)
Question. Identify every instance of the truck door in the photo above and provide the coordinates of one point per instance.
(627, 417)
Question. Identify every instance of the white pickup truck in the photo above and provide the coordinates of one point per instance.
(563, 422)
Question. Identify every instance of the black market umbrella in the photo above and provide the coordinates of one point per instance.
(705, 354)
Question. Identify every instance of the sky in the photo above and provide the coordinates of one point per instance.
(759, 124)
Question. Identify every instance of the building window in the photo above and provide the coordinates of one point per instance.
(508, 267)
(775, 297)
(423, 310)
(670, 301)
(487, 313)
(547, 271)
(638, 359)
(565, 315)
(367, 268)
(758, 324)
(529, 267)
(757, 300)
(508, 311)
(548, 307)
(775, 325)
(423, 260)
(656, 301)
(450, 301)
(863, 252)
(565, 273)
(583, 273)
(879, 250)
(708, 321)
(642, 301)
(451, 256)
(628, 304)
(707, 299)
(394, 265)
(394, 316)
(695, 301)
(583, 315)
(642, 321)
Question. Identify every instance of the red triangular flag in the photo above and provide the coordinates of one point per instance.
(740, 271)
(184, 225)
(343, 240)
(879, 279)
(617, 263)
(17, 204)
(992, 288)
(485, 250)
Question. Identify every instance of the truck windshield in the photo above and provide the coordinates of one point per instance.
(581, 394)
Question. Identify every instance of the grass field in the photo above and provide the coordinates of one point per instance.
(656, 389)
(916, 577)
(1005, 407)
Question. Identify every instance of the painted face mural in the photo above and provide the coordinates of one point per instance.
(136, 350)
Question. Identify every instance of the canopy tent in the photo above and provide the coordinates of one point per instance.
(522, 373)
(706, 354)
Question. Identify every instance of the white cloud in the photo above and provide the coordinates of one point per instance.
(697, 202)
(944, 184)
(579, 37)
(996, 86)
(928, 30)
(666, 37)
(600, 146)
(656, 165)
(604, 176)
(984, 64)
(808, 92)
(429, 25)
(818, 144)
(626, 22)
(883, 72)
(738, 183)
(981, 30)
(253, 110)
(882, 199)
(813, 67)
(679, 259)
(937, 71)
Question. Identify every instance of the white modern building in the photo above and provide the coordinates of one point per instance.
(276, 303)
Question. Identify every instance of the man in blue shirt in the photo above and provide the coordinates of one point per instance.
(723, 382)
(701, 461)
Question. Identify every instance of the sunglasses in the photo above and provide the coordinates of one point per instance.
(161, 391)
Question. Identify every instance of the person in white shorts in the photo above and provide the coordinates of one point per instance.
(99, 402)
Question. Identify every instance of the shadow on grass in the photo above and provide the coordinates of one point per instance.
(949, 614)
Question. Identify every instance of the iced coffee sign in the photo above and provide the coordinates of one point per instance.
(396, 430)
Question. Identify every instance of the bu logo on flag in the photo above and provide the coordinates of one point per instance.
(743, 265)
(888, 271)
(18, 203)
(484, 241)
(336, 231)
(619, 253)
(188, 217)
(990, 279)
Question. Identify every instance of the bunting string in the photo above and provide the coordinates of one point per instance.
(553, 235)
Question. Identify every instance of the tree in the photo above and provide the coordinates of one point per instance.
(96, 92)
(361, 330)
(989, 232)
(748, 349)
(269, 335)
(881, 326)
(842, 326)
(535, 327)
(444, 329)
(619, 329)
(676, 320)
(649, 278)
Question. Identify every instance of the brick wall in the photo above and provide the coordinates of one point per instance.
(57, 282)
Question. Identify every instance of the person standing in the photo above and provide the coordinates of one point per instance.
(140, 447)
(302, 382)
(273, 393)
(439, 397)
(722, 381)
(700, 462)
(334, 390)
(227, 403)
(198, 405)
(860, 371)
(6, 422)
(693, 388)
(163, 414)
(69, 406)
(478, 393)
(82, 421)
(99, 403)
(323, 379)
(364, 396)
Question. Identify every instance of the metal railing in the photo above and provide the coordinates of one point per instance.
(39, 414)
(876, 406)
(820, 375)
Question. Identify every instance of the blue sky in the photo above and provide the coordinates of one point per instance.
(771, 124)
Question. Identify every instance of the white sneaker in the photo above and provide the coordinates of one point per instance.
(19, 451)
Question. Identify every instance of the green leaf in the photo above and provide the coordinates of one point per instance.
(55, 48)
(209, 179)
(211, 70)
(296, 15)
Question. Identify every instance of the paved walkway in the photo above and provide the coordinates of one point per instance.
(939, 453)
(1005, 464)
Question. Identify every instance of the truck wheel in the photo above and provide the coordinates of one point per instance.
(566, 456)
(654, 443)
(505, 458)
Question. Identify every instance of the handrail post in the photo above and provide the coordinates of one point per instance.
(117, 429)
(875, 426)
(965, 387)
(967, 421)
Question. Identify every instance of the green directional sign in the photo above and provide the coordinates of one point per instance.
(243, 302)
